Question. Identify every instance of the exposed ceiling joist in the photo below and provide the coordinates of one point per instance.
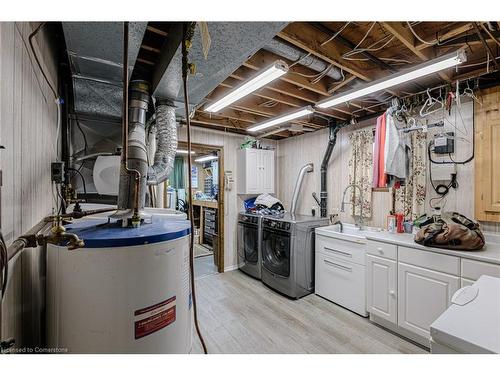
(406, 37)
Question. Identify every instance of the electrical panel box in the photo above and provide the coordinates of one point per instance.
(57, 172)
(444, 143)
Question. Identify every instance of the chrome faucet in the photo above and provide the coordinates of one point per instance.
(360, 219)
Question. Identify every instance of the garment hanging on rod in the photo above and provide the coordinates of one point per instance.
(423, 127)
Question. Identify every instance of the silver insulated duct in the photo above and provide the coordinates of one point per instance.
(296, 190)
(166, 144)
(294, 54)
(137, 152)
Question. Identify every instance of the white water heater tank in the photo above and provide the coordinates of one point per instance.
(126, 291)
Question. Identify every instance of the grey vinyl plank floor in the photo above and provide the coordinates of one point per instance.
(204, 266)
(238, 314)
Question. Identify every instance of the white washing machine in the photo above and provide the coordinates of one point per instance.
(472, 322)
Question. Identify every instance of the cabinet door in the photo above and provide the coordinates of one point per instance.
(267, 171)
(253, 174)
(381, 287)
(487, 141)
(423, 295)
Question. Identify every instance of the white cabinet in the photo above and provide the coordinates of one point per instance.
(381, 274)
(255, 171)
(340, 272)
(423, 295)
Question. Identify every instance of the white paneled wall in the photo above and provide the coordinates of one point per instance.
(294, 152)
(232, 202)
(28, 118)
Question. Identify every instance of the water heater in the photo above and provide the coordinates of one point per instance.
(126, 291)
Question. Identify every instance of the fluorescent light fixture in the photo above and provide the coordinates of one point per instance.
(420, 70)
(269, 74)
(279, 120)
(184, 152)
(206, 158)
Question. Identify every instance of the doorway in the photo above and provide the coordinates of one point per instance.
(208, 202)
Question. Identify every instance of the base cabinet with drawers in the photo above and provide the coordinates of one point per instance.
(340, 272)
(408, 289)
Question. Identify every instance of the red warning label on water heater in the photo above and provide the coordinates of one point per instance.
(153, 318)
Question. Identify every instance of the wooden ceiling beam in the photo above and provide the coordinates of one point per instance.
(406, 37)
(283, 97)
(262, 59)
(451, 33)
(305, 37)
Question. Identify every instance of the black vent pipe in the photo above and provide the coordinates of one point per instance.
(332, 140)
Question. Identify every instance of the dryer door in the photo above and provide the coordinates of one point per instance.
(248, 242)
(276, 251)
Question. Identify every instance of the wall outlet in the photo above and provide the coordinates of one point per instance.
(57, 172)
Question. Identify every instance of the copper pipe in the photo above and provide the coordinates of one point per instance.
(124, 157)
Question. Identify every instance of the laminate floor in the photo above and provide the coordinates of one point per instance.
(238, 314)
(204, 266)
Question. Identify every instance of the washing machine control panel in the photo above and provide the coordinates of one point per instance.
(276, 224)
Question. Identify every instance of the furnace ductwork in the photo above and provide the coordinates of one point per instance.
(294, 54)
(166, 144)
(298, 184)
(137, 153)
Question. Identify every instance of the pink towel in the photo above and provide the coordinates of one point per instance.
(376, 152)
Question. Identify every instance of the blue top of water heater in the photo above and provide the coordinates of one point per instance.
(103, 233)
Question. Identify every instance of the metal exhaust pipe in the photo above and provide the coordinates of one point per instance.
(298, 184)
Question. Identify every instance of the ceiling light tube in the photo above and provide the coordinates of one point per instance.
(263, 78)
(279, 120)
(184, 152)
(206, 158)
(407, 75)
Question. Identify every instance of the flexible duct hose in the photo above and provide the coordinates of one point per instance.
(166, 147)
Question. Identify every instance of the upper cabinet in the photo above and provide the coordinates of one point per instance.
(487, 156)
(255, 171)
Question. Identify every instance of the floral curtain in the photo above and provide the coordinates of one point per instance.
(361, 170)
(410, 198)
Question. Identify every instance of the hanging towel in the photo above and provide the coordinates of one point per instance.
(376, 153)
(382, 180)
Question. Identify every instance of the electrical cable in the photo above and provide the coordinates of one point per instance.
(57, 98)
(436, 42)
(4, 267)
(188, 30)
(83, 181)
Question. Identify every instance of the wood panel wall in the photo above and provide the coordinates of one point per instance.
(28, 118)
(294, 152)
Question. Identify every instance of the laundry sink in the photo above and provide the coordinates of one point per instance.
(347, 232)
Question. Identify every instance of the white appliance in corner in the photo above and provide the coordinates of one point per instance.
(340, 267)
(472, 323)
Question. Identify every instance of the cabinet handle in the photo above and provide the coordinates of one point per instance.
(344, 268)
(392, 293)
(343, 253)
(380, 250)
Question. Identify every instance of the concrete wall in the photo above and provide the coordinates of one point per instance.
(28, 118)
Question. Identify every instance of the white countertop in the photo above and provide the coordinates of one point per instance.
(489, 253)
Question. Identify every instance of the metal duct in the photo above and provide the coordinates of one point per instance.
(95, 54)
(166, 146)
(296, 190)
(294, 54)
(137, 152)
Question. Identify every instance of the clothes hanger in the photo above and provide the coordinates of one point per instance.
(429, 103)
